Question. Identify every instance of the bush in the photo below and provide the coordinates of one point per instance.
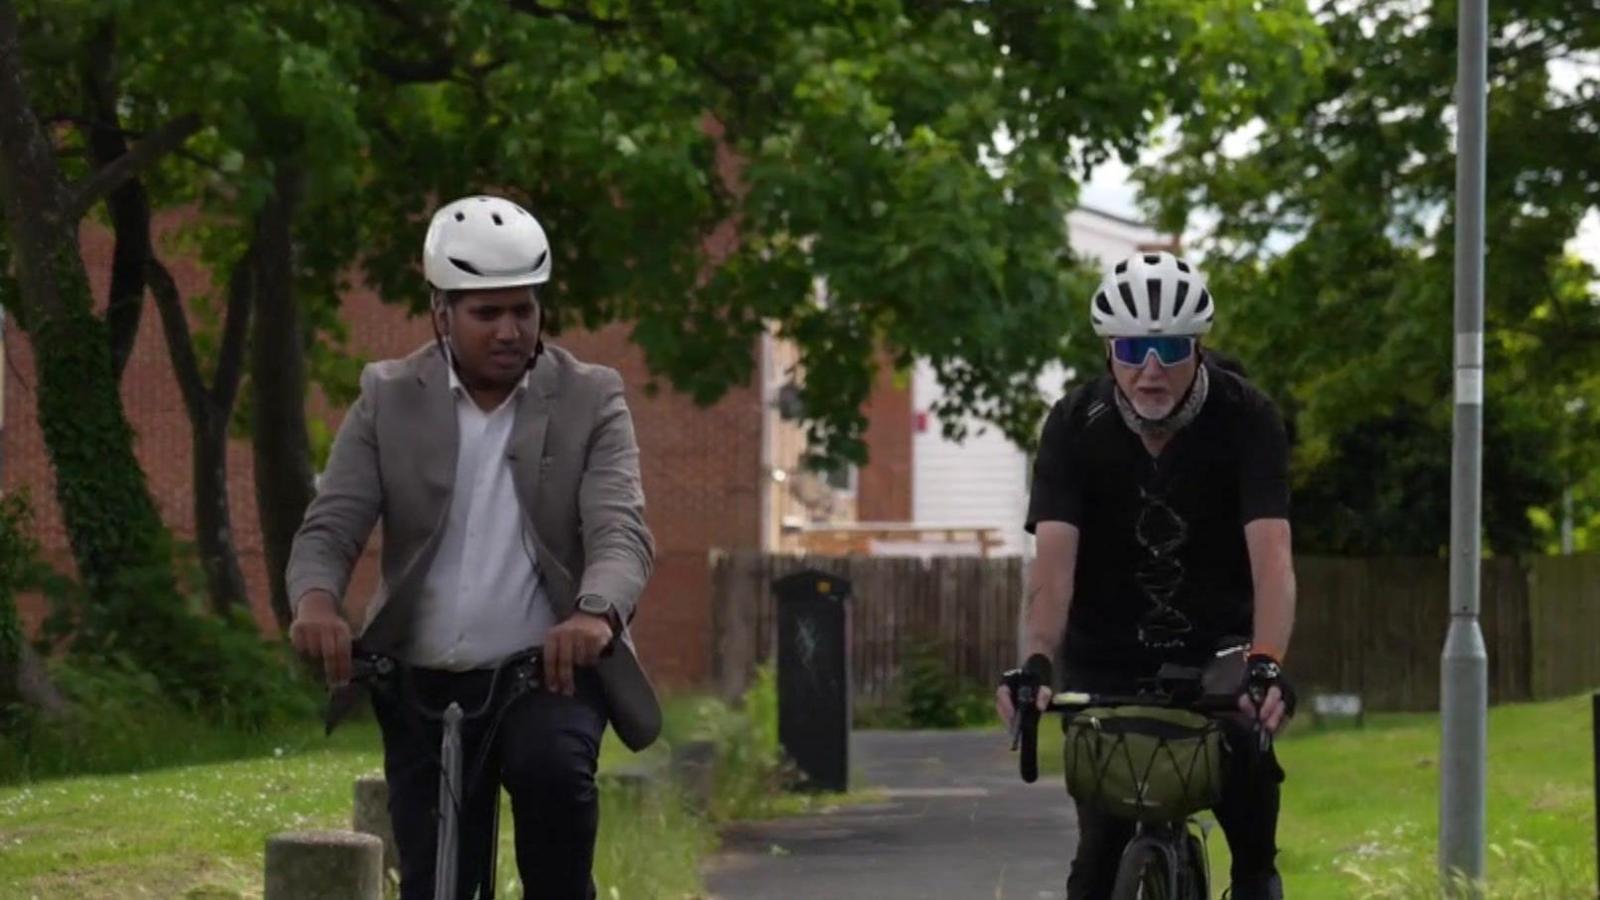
(751, 769)
(124, 719)
(19, 568)
(931, 695)
(219, 668)
(127, 712)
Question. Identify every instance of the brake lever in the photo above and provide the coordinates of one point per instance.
(1258, 699)
(344, 698)
(1022, 701)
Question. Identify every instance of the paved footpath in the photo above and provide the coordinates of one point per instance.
(955, 822)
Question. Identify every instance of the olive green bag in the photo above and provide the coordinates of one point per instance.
(1144, 762)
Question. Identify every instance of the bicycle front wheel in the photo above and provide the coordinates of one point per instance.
(1145, 873)
(1196, 883)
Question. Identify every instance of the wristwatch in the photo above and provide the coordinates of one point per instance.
(596, 605)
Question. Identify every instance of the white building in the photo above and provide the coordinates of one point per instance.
(966, 496)
(983, 481)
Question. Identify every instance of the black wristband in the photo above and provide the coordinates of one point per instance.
(1041, 668)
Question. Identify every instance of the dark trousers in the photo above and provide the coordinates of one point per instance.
(544, 753)
(1248, 814)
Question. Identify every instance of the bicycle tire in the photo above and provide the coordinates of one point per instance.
(1196, 881)
(1144, 873)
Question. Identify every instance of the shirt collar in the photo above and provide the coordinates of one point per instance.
(460, 390)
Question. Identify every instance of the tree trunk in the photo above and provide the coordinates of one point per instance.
(278, 377)
(129, 205)
(110, 517)
(23, 678)
(209, 413)
(34, 688)
(209, 410)
(213, 522)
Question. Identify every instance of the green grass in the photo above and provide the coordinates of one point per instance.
(139, 800)
(198, 830)
(1358, 819)
(1360, 806)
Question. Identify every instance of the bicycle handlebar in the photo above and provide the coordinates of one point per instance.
(1025, 720)
(378, 670)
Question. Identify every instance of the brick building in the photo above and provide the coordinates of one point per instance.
(708, 473)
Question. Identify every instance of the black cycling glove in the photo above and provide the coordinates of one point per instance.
(1035, 673)
(1262, 672)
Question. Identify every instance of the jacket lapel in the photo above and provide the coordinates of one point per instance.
(431, 446)
(439, 440)
(526, 447)
(526, 451)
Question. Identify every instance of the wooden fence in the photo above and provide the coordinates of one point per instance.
(1370, 626)
(1564, 625)
(1376, 627)
(968, 603)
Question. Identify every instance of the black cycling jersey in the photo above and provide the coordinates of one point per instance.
(1162, 572)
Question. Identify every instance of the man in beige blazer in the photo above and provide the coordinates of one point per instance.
(506, 476)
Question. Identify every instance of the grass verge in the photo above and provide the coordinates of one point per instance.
(1361, 806)
(177, 810)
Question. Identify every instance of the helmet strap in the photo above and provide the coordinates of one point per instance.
(442, 305)
(538, 330)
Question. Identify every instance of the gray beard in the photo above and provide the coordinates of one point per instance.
(1175, 420)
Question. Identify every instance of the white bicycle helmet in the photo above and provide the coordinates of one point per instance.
(1152, 294)
(477, 243)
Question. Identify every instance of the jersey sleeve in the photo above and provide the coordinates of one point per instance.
(1057, 491)
(1264, 465)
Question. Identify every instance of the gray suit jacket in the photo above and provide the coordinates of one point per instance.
(575, 465)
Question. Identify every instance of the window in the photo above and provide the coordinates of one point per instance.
(842, 478)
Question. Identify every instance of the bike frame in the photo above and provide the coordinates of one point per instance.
(380, 672)
(447, 853)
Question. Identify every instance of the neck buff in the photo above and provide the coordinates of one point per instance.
(1180, 416)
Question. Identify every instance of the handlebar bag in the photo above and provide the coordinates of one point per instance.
(1145, 763)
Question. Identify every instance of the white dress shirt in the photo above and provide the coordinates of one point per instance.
(482, 599)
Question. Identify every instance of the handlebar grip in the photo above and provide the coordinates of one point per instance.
(1030, 743)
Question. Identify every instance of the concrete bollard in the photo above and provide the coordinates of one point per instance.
(371, 816)
(324, 865)
(694, 768)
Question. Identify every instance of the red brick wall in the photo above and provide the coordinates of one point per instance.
(883, 491)
(700, 466)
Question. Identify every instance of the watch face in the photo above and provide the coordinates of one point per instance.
(596, 605)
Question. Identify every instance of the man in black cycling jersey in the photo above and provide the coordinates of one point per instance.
(1160, 502)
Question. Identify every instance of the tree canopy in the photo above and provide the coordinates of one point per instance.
(1329, 236)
